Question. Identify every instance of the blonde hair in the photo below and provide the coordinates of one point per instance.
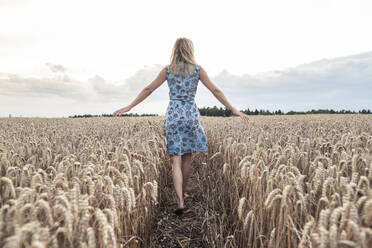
(182, 58)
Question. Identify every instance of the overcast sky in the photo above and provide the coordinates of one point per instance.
(59, 58)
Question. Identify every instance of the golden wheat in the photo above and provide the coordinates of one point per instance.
(280, 181)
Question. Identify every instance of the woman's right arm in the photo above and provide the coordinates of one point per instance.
(219, 94)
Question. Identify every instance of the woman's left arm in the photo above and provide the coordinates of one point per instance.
(145, 92)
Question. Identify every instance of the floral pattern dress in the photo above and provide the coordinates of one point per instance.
(182, 123)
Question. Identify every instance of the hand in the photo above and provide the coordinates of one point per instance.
(122, 110)
(242, 115)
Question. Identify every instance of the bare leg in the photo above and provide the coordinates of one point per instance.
(177, 178)
(186, 169)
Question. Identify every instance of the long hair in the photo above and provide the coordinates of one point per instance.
(182, 58)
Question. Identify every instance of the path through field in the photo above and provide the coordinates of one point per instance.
(171, 230)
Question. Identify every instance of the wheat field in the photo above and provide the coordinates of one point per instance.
(279, 181)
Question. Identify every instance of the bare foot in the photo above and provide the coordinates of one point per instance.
(179, 211)
(180, 204)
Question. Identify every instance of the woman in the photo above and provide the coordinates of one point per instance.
(183, 127)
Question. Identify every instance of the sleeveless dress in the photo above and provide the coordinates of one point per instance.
(183, 125)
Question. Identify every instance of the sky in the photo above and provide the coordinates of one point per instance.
(60, 58)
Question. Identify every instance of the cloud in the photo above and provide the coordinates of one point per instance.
(338, 83)
(94, 89)
(344, 82)
(56, 67)
(19, 86)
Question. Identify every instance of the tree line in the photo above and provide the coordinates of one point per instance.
(215, 111)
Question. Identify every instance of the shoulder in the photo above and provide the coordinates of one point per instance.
(197, 68)
(201, 70)
(203, 75)
(165, 70)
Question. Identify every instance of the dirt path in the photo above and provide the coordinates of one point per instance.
(171, 230)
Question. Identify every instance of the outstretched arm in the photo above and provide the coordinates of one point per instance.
(145, 92)
(219, 94)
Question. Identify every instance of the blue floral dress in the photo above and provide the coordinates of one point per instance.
(183, 125)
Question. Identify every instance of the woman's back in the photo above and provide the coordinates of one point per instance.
(183, 88)
(183, 126)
